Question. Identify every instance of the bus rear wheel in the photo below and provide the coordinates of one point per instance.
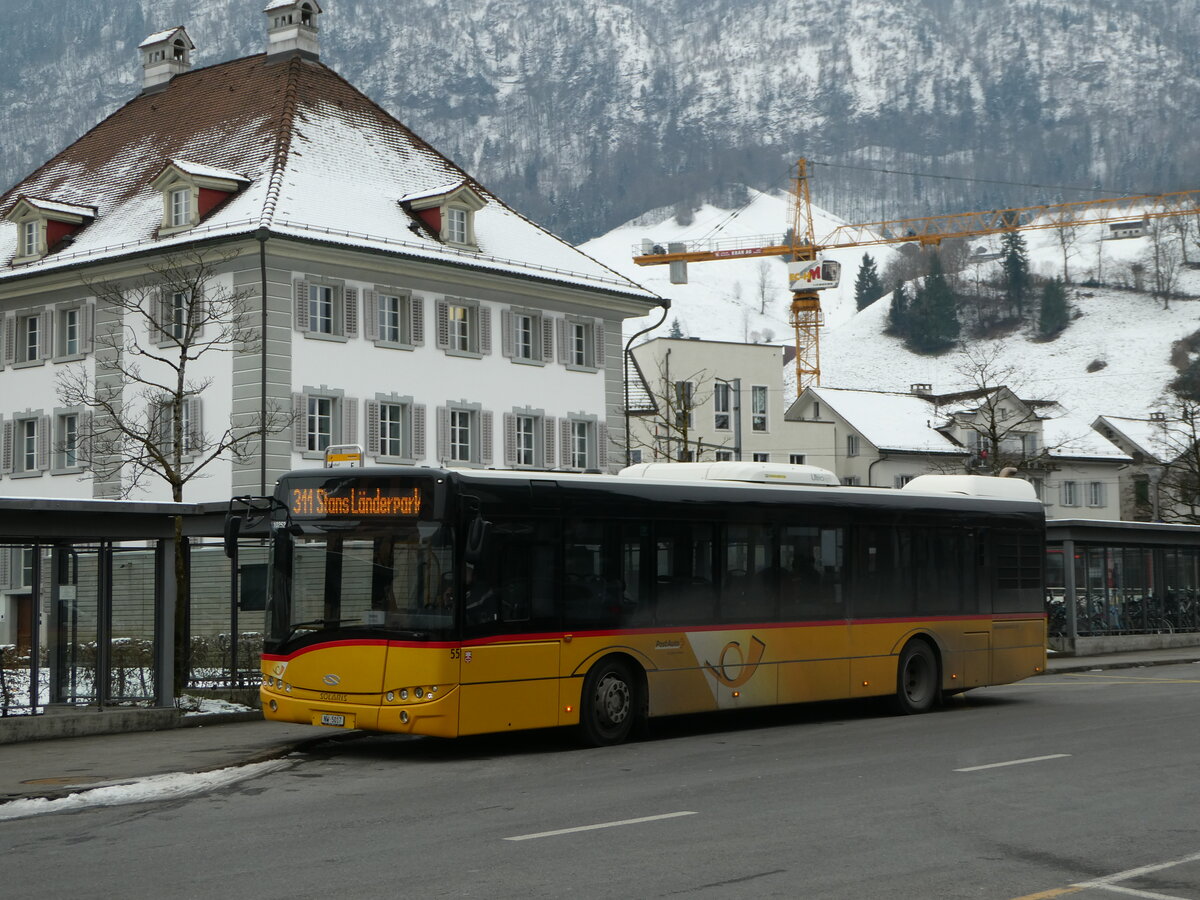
(916, 679)
(609, 705)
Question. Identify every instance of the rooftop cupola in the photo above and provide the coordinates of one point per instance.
(292, 29)
(165, 55)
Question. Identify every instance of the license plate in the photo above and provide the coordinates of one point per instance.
(336, 721)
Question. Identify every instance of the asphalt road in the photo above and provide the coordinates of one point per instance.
(1085, 785)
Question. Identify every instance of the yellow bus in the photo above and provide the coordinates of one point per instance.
(447, 603)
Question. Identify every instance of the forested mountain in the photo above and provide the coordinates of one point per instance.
(586, 113)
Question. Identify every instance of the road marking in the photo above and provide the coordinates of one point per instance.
(1014, 762)
(1108, 882)
(542, 834)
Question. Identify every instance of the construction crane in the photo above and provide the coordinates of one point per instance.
(809, 272)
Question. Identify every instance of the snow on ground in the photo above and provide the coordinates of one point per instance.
(1129, 332)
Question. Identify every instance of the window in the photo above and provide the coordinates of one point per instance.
(181, 207)
(326, 309)
(684, 403)
(394, 318)
(796, 459)
(464, 434)
(319, 423)
(529, 439)
(456, 225)
(816, 410)
(464, 327)
(524, 433)
(1069, 493)
(527, 336)
(721, 393)
(68, 331)
(323, 417)
(723, 455)
(635, 456)
(30, 333)
(320, 308)
(758, 407)
(852, 445)
(902, 480)
(27, 436)
(581, 433)
(390, 316)
(26, 444)
(189, 425)
(27, 337)
(581, 343)
(395, 428)
(178, 307)
(31, 238)
(1095, 493)
(68, 441)
(584, 442)
(762, 457)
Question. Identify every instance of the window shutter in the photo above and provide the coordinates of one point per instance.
(510, 439)
(602, 446)
(43, 443)
(160, 315)
(301, 288)
(418, 432)
(349, 420)
(45, 335)
(560, 325)
(547, 339)
(5, 560)
(598, 337)
(196, 312)
(506, 333)
(372, 448)
(417, 311)
(485, 330)
(194, 439)
(443, 330)
(564, 428)
(10, 340)
(443, 433)
(485, 437)
(548, 441)
(371, 315)
(350, 303)
(1064, 494)
(6, 451)
(299, 422)
(87, 327)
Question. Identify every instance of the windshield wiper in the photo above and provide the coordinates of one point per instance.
(326, 623)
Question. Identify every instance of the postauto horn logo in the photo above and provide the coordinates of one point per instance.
(332, 680)
(742, 664)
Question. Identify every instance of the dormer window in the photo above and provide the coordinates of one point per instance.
(191, 191)
(31, 238)
(44, 226)
(446, 213)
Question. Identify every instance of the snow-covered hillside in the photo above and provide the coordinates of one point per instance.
(1129, 332)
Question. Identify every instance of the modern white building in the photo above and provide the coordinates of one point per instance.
(386, 298)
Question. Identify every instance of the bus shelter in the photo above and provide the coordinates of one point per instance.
(87, 601)
(1114, 586)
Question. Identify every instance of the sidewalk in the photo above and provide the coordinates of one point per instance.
(56, 768)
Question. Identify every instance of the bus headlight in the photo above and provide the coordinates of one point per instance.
(391, 695)
(420, 692)
(403, 693)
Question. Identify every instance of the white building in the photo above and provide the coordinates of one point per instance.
(391, 300)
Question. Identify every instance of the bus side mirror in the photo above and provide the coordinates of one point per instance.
(477, 535)
(233, 528)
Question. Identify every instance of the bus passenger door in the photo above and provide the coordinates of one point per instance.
(510, 654)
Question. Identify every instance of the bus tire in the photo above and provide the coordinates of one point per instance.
(917, 687)
(609, 705)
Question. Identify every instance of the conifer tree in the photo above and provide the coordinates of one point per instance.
(898, 314)
(676, 331)
(867, 287)
(1054, 313)
(1016, 270)
(933, 316)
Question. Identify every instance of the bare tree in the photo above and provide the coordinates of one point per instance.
(1176, 491)
(670, 425)
(154, 337)
(763, 285)
(1165, 260)
(1068, 236)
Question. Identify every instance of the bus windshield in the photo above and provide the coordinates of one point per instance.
(395, 582)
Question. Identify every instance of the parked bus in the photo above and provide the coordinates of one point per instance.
(448, 602)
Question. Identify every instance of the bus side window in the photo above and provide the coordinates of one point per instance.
(750, 578)
(513, 583)
(685, 592)
(811, 566)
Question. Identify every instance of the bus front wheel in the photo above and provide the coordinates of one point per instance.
(609, 704)
(916, 679)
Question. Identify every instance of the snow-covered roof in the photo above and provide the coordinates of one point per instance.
(50, 206)
(890, 421)
(1145, 435)
(438, 191)
(322, 161)
(159, 36)
(282, 4)
(202, 171)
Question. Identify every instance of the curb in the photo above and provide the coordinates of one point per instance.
(1119, 664)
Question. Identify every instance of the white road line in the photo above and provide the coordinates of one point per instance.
(1014, 762)
(1107, 880)
(1133, 892)
(542, 834)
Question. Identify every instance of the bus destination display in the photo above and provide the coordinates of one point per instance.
(356, 502)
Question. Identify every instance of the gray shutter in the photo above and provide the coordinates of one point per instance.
(370, 313)
(5, 561)
(561, 327)
(87, 327)
(299, 422)
(548, 440)
(417, 308)
(598, 336)
(547, 339)
(196, 314)
(485, 330)
(506, 333)
(485, 437)
(510, 439)
(350, 312)
(301, 287)
(443, 433)
(6, 450)
(349, 420)
(602, 446)
(372, 448)
(564, 434)
(159, 316)
(10, 340)
(194, 439)
(443, 327)
(46, 334)
(418, 432)
(43, 443)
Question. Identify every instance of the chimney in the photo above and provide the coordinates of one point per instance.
(292, 29)
(921, 390)
(165, 55)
